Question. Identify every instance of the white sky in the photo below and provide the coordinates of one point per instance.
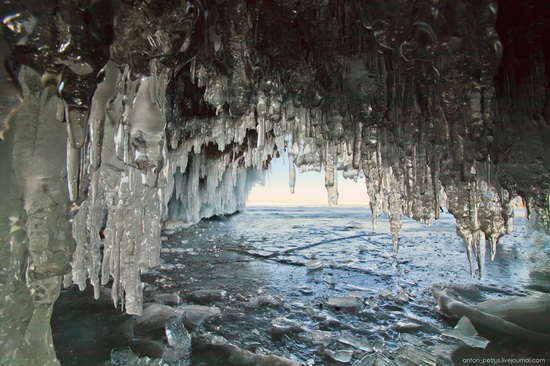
(309, 190)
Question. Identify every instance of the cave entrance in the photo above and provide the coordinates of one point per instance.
(309, 188)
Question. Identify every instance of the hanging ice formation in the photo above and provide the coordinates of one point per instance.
(139, 114)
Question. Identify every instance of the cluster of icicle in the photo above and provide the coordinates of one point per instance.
(403, 177)
(133, 185)
(400, 109)
(121, 169)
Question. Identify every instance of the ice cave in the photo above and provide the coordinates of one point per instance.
(133, 130)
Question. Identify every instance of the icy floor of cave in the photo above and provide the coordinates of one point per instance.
(253, 267)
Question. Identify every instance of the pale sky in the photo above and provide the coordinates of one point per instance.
(309, 190)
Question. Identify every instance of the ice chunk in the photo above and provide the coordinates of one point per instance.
(465, 327)
(401, 296)
(122, 356)
(524, 318)
(377, 359)
(206, 296)
(385, 293)
(263, 300)
(314, 265)
(305, 290)
(155, 315)
(207, 310)
(413, 356)
(343, 356)
(411, 339)
(194, 315)
(173, 355)
(177, 335)
(281, 326)
(320, 337)
(167, 299)
(344, 302)
(237, 356)
(360, 344)
(147, 348)
(458, 337)
(406, 326)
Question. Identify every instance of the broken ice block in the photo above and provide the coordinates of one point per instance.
(238, 356)
(177, 335)
(360, 344)
(385, 293)
(282, 326)
(314, 265)
(401, 296)
(524, 318)
(194, 315)
(344, 302)
(465, 327)
(154, 316)
(411, 339)
(320, 337)
(377, 359)
(413, 356)
(472, 341)
(262, 300)
(340, 356)
(167, 299)
(122, 356)
(171, 355)
(205, 296)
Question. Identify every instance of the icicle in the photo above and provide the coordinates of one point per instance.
(77, 121)
(12, 93)
(395, 207)
(331, 177)
(357, 139)
(60, 114)
(493, 246)
(73, 171)
(437, 186)
(104, 92)
(291, 173)
(261, 132)
(262, 115)
(479, 245)
(147, 135)
(96, 141)
(119, 138)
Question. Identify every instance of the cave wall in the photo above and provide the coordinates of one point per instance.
(121, 117)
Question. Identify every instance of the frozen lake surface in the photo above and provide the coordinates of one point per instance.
(311, 284)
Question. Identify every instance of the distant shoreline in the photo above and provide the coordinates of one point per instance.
(300, 204)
